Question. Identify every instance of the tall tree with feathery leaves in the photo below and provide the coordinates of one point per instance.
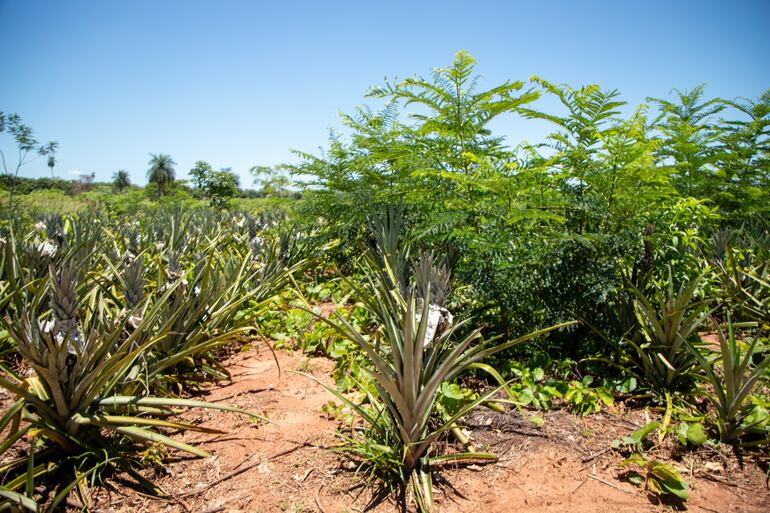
(689, 136)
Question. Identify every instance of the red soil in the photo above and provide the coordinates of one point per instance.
(281, 466)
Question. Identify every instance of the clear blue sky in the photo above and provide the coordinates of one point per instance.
(239, 83)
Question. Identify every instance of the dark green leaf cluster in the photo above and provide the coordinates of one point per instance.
(219, 186)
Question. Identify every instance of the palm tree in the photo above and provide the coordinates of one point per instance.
(121, 180)
(161, 171)
(51, 163)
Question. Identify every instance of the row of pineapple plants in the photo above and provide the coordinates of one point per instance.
(106, 324)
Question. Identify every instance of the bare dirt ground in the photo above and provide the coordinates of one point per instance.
(282, 466)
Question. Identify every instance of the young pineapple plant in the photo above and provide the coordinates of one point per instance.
(198, 313)
(25, 258)
(733, 376)
(668, 321)
(132, 282)
(416, 349)
(74, 407)
(743, 271)
(203, 312)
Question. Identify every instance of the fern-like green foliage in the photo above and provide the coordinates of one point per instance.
(743, 167)
(689, 138)
(550, 229)
(453, 114)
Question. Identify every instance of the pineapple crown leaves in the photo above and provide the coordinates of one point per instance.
(431, 274)
(133, 282)
(64, 304)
